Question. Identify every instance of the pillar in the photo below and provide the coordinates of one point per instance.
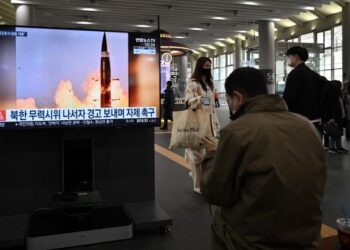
(238, 53)
(26, 15)
(267, 53)
(182, 74)
(346, 41)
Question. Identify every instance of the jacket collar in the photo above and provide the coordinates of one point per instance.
(262, 103)
(300, 65)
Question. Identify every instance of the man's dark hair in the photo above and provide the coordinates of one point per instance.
(249, 81)
(169, 83)
(299, 51)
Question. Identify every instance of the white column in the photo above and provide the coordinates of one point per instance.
(26, 15)
(182, 74)
(267, 53)
(238, 53)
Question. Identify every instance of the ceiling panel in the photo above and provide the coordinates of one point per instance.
(176, 16)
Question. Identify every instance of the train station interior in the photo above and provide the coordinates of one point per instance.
(123, 170)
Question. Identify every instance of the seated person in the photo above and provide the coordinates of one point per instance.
(265, 179)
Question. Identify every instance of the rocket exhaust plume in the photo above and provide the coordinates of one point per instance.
(105, 75)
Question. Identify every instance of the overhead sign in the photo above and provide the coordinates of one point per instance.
(167, 57)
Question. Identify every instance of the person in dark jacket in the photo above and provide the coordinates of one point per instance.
(304, 90)
(264, 183)
(335, 115)
(169, 100)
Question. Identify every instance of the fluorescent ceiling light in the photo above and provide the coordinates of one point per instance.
(286, 23)
(179, 37)
(196, 29)
(219, 18)
(230, 40)
(221, 39)
(306, 16)
(250, 3)
(89, 9)
(241, 31)
(220, 44)
(203, 50)
(18, 2)
(276, 19)
(84, 22)
(211, 47)
(329, 9)
(2, 23)
(308, 8)
(239, 36)
(143, 26)
(195, 51)
(253, 33)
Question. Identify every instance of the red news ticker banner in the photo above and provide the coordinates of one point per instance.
(2, 115)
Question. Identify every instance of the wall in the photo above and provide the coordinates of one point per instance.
(31, 170)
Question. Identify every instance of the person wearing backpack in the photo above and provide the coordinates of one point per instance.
(305, 89)
(334, 118)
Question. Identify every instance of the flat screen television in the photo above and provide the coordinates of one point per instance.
(78, 78)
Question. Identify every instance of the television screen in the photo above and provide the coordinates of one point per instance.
(78, 78)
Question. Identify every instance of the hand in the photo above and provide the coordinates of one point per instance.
(195, 102)
(208, 144)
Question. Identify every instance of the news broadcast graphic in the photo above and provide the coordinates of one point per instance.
(65, 78)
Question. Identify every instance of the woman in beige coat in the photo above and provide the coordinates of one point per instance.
(200, 95)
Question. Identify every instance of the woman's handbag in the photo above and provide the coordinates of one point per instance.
(189, 127)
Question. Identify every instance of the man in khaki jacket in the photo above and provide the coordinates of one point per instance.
(265, 179)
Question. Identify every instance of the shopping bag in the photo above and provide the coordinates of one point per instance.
(189, 127)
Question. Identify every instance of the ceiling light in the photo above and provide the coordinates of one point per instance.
(18, 2)
(219, 18)
(203, 45)
(286, 23)
(196, 29)
(250, 3)
(89, 9)
(203, 50)
(84, 22)
(229, 40)
(306, 16)
(211, 47)
(143, 26)
(195, 51)
(2, 23)
(179, 37)
(221, 39)
(253, 33)
(220, 44)
(308, 8)
(276, 19)
(331, 8)
(241, 31)
(239, 36)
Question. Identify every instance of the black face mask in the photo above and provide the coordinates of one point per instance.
(205, 72)
(238, 113)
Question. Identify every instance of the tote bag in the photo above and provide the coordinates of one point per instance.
(189, 127)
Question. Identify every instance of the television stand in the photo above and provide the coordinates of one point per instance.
(54, 228)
